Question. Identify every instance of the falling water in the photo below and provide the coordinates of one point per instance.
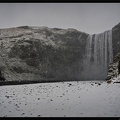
(99, 55)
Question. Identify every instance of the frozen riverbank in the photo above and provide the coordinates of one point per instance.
(61, 99)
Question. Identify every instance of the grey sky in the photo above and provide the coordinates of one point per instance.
(87, 17)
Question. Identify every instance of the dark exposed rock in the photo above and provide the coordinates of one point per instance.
(1, 77)
(113, 68)
(108, 77)
(50, 53)
(25, 27)
(116, 82)
(116, 39)
(119, 67)
(116, 46)
(109, 81)
(110, 70)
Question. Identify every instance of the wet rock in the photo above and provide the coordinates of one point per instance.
(116, 82)
(116, 39)
(110, 70)
(2, 78)
(113, 68)
(109, 81)
(108, 77)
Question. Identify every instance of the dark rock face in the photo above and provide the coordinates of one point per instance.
(113, 68)
(43, 53)
(116, 39)
(112, 71)
(1, 77)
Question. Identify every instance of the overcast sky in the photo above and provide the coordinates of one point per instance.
(87, 17)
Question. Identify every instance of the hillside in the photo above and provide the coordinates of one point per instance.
(38, 53)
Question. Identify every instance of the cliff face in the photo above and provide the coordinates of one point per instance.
(38, 53)
(113, 67)
(116, 39)
(42, 53)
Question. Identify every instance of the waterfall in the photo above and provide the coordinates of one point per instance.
(99, 55)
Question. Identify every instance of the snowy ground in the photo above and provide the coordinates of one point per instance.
(61, 99)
